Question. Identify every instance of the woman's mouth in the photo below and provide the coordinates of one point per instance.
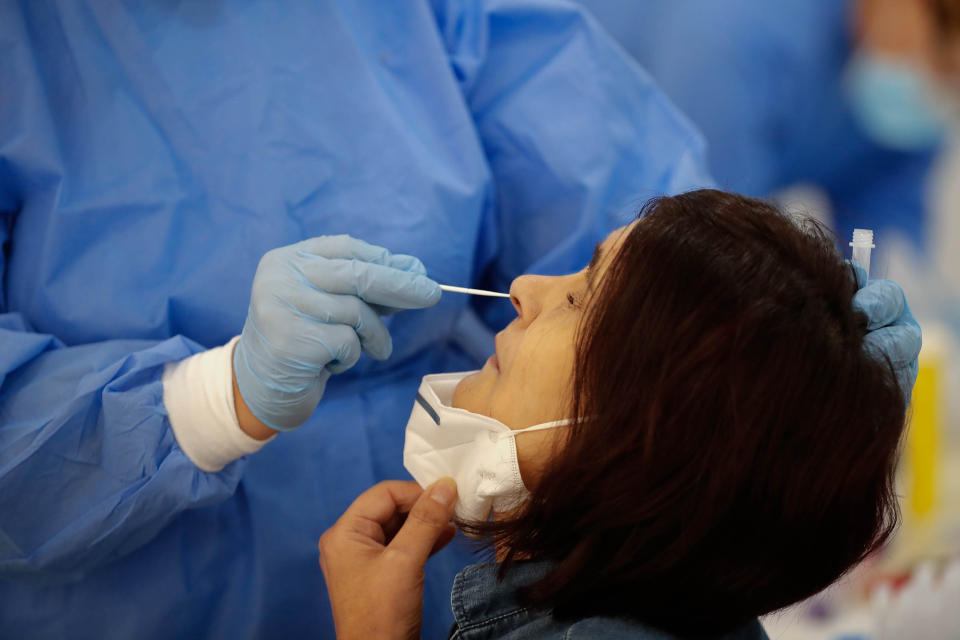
(494, 362)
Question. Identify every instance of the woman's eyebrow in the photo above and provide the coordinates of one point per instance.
(594, 261)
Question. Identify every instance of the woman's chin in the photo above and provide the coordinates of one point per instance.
(469, 393)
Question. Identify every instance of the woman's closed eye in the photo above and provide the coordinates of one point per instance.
(575, 298)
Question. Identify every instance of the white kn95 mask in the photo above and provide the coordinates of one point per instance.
(477, 451)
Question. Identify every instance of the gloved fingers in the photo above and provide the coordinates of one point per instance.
(342, 343)
(409, 263)
(899, 342)
(384, 311)
(348, 248)
(305, 349)
(882, 301)
(907, 377)
(414, 266)
(330, 308)
(859, 274)
(373, 283)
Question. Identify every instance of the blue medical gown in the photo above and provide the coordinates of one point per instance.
(764, 81)
(151, 152)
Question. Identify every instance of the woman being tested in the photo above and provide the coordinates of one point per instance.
(699, 428)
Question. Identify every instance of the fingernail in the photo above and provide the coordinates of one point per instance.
(444, 491)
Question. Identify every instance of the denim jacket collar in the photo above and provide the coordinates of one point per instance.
(484, 607)
(478, 597)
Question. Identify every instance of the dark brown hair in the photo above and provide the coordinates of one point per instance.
(946, 15)
(736, 444)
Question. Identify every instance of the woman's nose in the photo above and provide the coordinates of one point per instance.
(526, 296)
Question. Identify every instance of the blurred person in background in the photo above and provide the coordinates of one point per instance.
(850, 96)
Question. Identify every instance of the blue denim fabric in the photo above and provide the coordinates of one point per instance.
(485, 608)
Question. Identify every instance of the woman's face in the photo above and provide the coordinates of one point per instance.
(529, 378)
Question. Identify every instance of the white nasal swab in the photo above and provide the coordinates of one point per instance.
(473, 292)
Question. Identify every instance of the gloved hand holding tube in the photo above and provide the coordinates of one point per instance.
(314, 307)
(892, 330)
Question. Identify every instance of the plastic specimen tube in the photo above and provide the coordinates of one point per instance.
(862, 244)
(473, 292)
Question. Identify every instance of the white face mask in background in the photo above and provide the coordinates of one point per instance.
(477, 451)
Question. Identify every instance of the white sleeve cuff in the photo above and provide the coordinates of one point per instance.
(198, 396)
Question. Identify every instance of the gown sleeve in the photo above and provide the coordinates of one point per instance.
(89, 466)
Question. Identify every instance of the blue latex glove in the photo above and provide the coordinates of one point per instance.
(314, 307)
(893, 331)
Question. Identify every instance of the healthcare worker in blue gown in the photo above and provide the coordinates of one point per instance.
(848, 95)
(151, 153)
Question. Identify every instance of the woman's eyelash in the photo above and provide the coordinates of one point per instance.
(573, 299)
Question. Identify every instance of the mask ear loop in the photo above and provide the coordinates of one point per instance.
(513, 433)
(537, 427)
